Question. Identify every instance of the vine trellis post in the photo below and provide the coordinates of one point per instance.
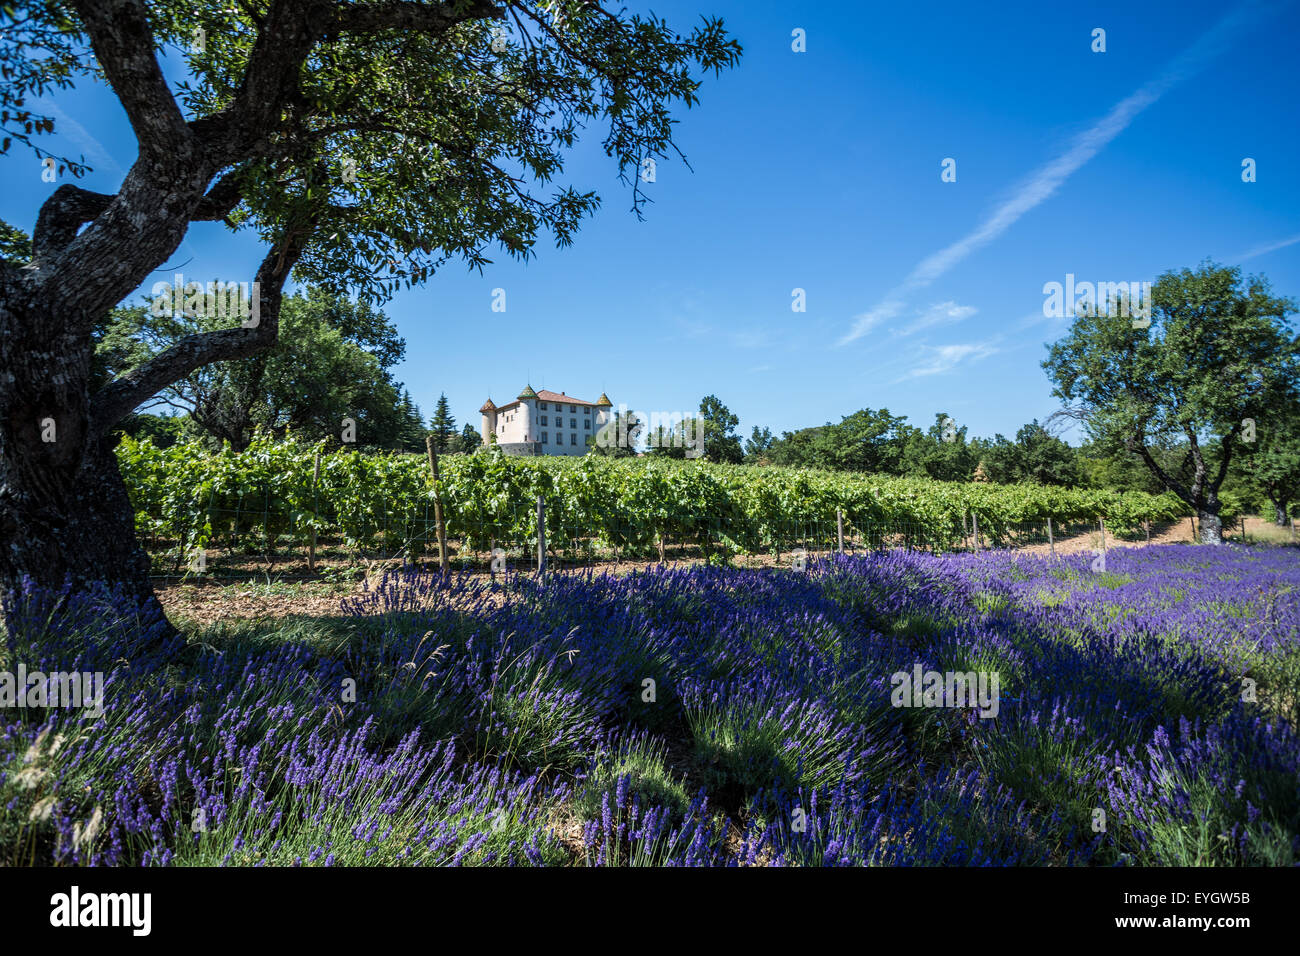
(437, 505)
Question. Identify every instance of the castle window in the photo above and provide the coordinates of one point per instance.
(573, 408)
(542, 406)
(586, 409)
(543, 438)
(573, 439)
(543, 417)
(573, 423)
(586, 423)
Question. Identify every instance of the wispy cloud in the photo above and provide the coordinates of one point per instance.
(1266, 249)
(945, 313)
(942, 313)
(944, 358)
(1046, 180)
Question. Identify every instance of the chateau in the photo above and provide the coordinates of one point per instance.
(544, 423)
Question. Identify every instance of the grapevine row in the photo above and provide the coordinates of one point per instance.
(188, 495)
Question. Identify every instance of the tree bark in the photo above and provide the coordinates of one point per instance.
(1211, 526)
(1279, 514)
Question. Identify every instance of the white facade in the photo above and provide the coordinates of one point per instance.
(545, 423)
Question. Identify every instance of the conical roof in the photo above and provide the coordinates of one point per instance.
(604, 400)
(527, 393)
(488, 406)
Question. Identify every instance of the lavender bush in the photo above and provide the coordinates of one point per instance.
(1145, 714)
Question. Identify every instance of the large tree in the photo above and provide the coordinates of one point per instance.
(367, 144)
(1213, 362)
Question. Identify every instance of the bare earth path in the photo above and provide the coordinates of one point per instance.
(206, 602)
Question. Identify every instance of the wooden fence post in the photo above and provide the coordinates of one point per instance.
(975, 525)
(541, 537)
(839, 528)
(311, 545)
(1147, 524)
(1101, 523)
(437, 505)
(1051, 542)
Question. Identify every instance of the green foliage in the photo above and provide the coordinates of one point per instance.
(408, 148)
(1271, 465)
(758, 445)
(942, 452)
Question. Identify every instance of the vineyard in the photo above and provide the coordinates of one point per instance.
(283, 495)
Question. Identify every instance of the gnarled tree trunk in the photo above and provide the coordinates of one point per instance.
(64, 512)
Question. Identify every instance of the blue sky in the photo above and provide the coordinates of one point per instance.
(821, 171)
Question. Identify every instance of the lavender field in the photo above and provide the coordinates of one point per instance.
(1144, 715)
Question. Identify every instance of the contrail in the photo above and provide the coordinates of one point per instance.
(1264, 250)
(1046, 180)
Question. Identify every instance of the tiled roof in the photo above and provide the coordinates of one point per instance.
(548, 396)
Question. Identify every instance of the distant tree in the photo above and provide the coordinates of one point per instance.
(442, 425)
(798, 448)
(942, 452)
(1271, 465)
(163, 430)
(412, 432)
(617, 438)
(15, 245)
(866, 441)
(721, 443)
(470, 440)
(1216, 353)
(758, 444)
(1045, 458)
(1035, 456)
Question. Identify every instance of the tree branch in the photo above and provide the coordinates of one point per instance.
(125, 393)
(220, 200)
(1176, 487)
(123, 42)
(62, 215)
